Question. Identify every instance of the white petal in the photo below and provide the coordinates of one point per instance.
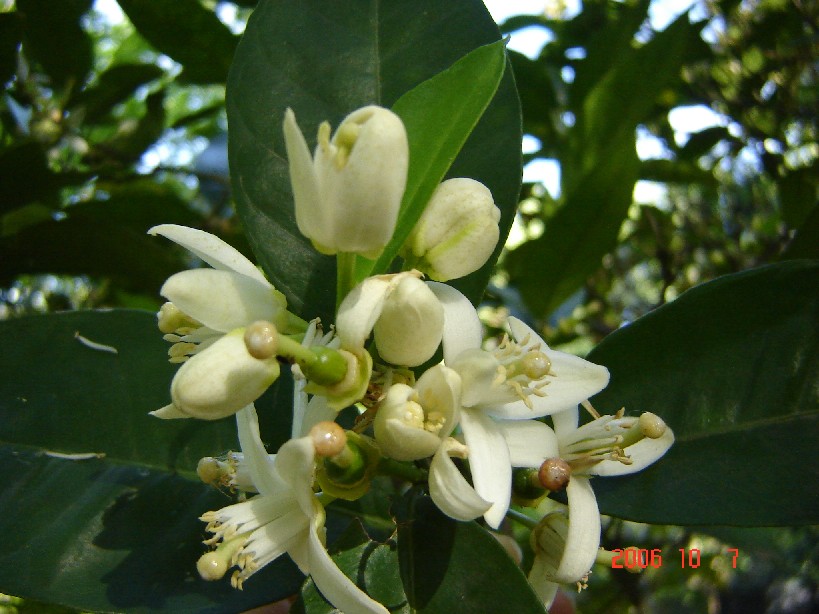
(317, 411)
(530, 442)
(643, 453)
(222, 300)
(575, 380)
(221, 380)
(259, 463)
(565, 422)
(583, 539)
(337, 588)
(209, 248)
(169, 412)
(544, 588)
(489, 463)
(360, 309)
(462, 328)
(294, 462)
(313, 219)
(439, 390)
(405, 442)
(449, 489)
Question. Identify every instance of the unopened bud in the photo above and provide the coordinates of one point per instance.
(457, 232)
(554, 474)
(411, 324)
(261, 339)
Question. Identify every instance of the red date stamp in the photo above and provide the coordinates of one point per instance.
(641, 558)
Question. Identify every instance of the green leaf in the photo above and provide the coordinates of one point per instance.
(187, 32)
(798, 195)
(26, 177)
(448, 566)
(675, 171)
(732, 367)
(89, 246)
(325, 60)
(115, 85)
(439, 119)
(373, 566)
(599, 171)
(113, 528)
(806, 242)
(53, 37)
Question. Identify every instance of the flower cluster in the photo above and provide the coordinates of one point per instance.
(408, 354)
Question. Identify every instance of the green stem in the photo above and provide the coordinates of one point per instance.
(345, 277)
(405, 471)
(522, 518)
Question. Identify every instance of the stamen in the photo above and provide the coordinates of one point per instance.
(328, 438)
(261, 339)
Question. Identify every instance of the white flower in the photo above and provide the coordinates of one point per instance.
(348, 194)
(520, 380)
(411, 422)
(407, 317)
(218, 377)
(608, 445)
(457, 232)
(285, 517)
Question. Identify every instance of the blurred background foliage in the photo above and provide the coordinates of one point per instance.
(108, 127)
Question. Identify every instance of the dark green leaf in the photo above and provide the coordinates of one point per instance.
(26, 177)
(87, 246)
(11, 29)
(114, 86)
(53, 37)
(324, 60)
(806, 242)
(732, 367)
(448, 566)
(700, 143)
(118, 531)
(187, 32)
(798, 194)
(132, 139)
(373, 566)
(674, 171)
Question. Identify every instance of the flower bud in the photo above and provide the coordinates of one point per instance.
(457, 232)
(411, 324)
(222, 379)
(348, 194)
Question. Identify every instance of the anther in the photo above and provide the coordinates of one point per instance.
(652, 426)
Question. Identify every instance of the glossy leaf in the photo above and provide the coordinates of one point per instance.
(96, 512)
(449, 566)
(732, 367)
(324, 60)
(187, 32)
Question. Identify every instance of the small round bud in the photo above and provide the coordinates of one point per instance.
(211, 566)
(536, 365)
(328, 438)
(554, 474)
(652, 426)
(261, 339)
